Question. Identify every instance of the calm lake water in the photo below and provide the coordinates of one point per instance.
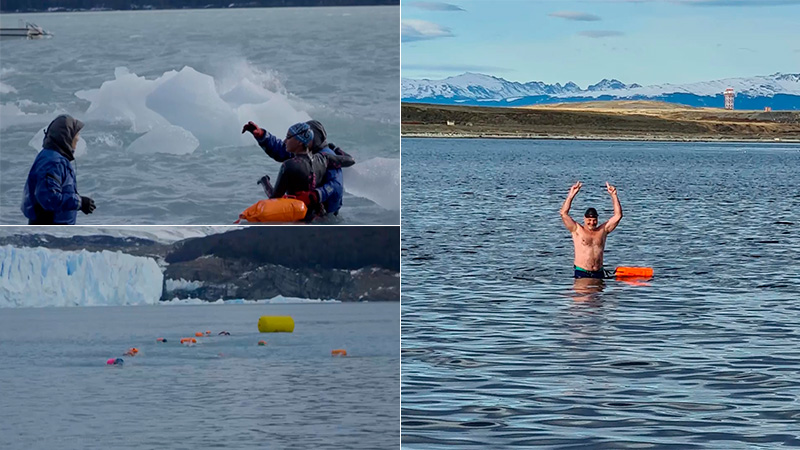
(500, 347)
(164, 95)
(224, 392)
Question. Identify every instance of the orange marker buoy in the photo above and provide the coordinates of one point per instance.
(199, 334)
(208, 332)
(262, 343)
(194, 341)
(639, 272)
(339, 352)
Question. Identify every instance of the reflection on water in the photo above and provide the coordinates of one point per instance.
(502, 347)
(586, 289)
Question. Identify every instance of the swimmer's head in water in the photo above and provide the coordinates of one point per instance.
(299, 137)
(590, 217)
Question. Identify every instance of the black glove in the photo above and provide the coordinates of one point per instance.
(87, 205)
(266, 185)
(335, 149)
(258, 132)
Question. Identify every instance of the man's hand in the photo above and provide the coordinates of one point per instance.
(573, 191)
(611, 189)
(87, 205)
(258, 133)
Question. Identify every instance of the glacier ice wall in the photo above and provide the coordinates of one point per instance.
(43, 277)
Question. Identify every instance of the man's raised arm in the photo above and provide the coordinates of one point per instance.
(568, 222)
(614, 220)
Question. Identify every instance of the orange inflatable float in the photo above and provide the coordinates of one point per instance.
(286, 209)
(633, 272)
(339, 352)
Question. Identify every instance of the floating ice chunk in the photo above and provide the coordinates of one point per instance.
(190, 100)
(6, 89)
(246, 92)
(123, 100)
(377, 179)
(165, 139)
(11, 115)
(43, 277)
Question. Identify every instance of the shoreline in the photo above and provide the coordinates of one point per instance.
(600, 121)
(435, 135)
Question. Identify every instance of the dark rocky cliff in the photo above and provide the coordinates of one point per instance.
(342, 263)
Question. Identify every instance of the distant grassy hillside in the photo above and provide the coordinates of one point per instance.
(601, 120)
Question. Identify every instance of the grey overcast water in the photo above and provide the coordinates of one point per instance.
(501, 347)
(164, 95)
(224, 392)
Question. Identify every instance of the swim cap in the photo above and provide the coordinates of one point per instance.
(302, 132)
(591, 212)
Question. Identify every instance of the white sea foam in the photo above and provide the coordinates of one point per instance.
(180, 284)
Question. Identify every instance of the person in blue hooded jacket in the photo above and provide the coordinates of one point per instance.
(327, 195)
(51, 195)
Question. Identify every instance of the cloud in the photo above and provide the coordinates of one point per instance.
(575, 15)
(419, 30)
(436, 6)
(601, 33)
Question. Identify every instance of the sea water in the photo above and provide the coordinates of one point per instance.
(501, 347)
(225, 391)
(164, 95)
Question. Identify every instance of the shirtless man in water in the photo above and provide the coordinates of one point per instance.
(589, 238)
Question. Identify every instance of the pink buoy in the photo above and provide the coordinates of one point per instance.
(110, 361)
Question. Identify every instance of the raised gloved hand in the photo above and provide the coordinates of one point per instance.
(258, 133)
(87, 205)
(310, 198)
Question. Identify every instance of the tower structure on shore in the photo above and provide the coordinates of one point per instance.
(729, 98)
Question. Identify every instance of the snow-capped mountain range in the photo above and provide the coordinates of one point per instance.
(474, 88)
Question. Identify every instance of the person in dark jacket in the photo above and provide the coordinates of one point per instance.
(327, 195)
(51, 195)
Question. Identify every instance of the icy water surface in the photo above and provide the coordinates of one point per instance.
(164, 95)
(224, 392)
(501, 348)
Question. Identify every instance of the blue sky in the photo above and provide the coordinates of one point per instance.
(634, 41)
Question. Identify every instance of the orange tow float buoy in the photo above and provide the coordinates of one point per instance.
(339, 352)
(199, 334)
(635, 272)
(285, 209)
(262, 343)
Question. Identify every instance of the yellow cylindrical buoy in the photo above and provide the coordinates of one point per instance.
(275, 324)
(339, 352)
